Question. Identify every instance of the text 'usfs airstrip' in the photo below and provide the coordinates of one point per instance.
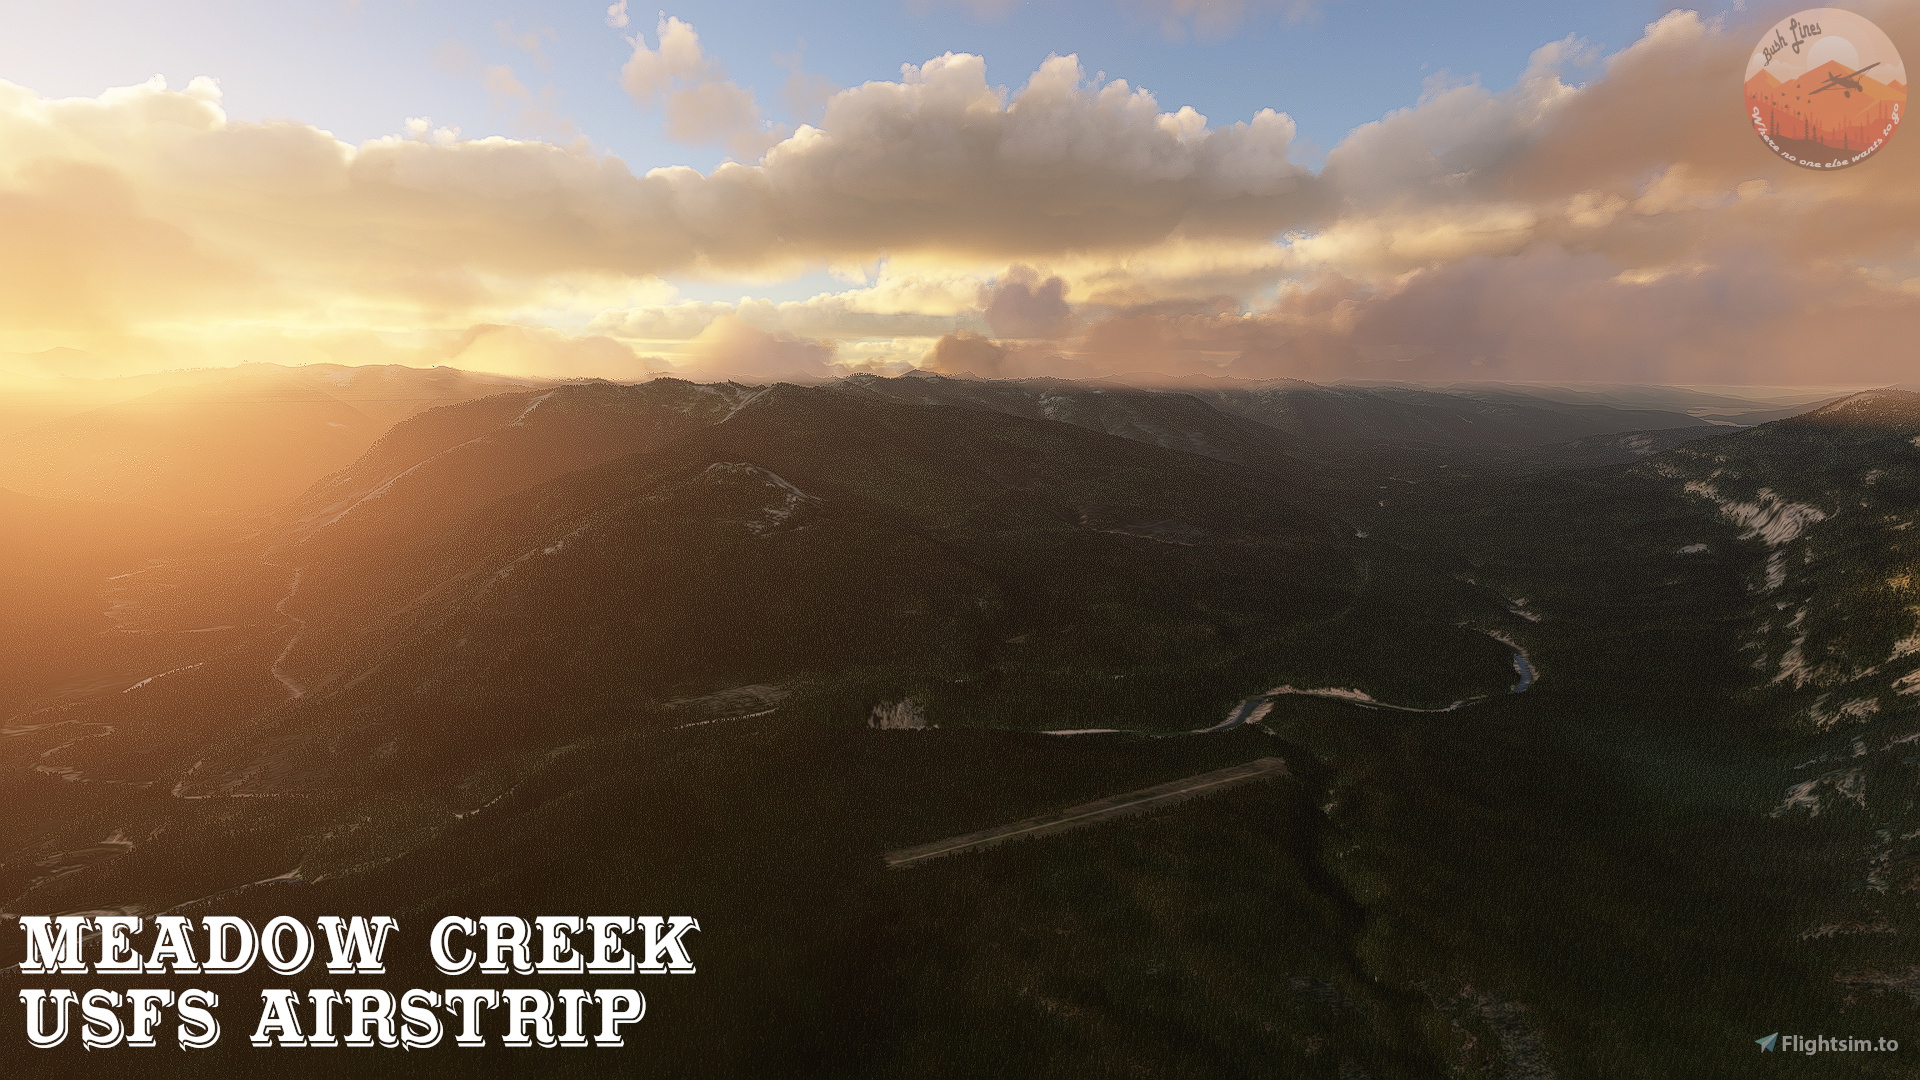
(225, 945)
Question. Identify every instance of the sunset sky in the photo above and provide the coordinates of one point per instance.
(1318, 190)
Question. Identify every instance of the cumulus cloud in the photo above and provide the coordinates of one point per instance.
(617, 15)
(701, 105)
(1454, 145)
(1622, 229)
(938, 166)
(886, 325)
(826, 316)
(964, 352)
(1627, 226)
(1060, 164)
(731, 348)
(713, 111)
(1022, 306)
(1741, 316)
(649, 72)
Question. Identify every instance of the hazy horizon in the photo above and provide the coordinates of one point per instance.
(13, 381)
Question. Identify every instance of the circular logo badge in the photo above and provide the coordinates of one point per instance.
(1825, 89)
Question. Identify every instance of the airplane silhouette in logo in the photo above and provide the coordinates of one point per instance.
(1846, 80)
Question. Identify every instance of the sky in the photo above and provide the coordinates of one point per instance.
(1318, 189)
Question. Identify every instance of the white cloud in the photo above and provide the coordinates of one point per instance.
(939, 170)
(650, 72)
(730, 347)
(1021, 305)
(722, 112)
(1479, 229)
(1453, 145)
(702, 106)
(423, 129)
(895, 306)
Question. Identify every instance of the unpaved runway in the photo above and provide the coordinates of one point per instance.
(1133, 802)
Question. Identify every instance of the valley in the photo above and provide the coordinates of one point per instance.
(1563, 683)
